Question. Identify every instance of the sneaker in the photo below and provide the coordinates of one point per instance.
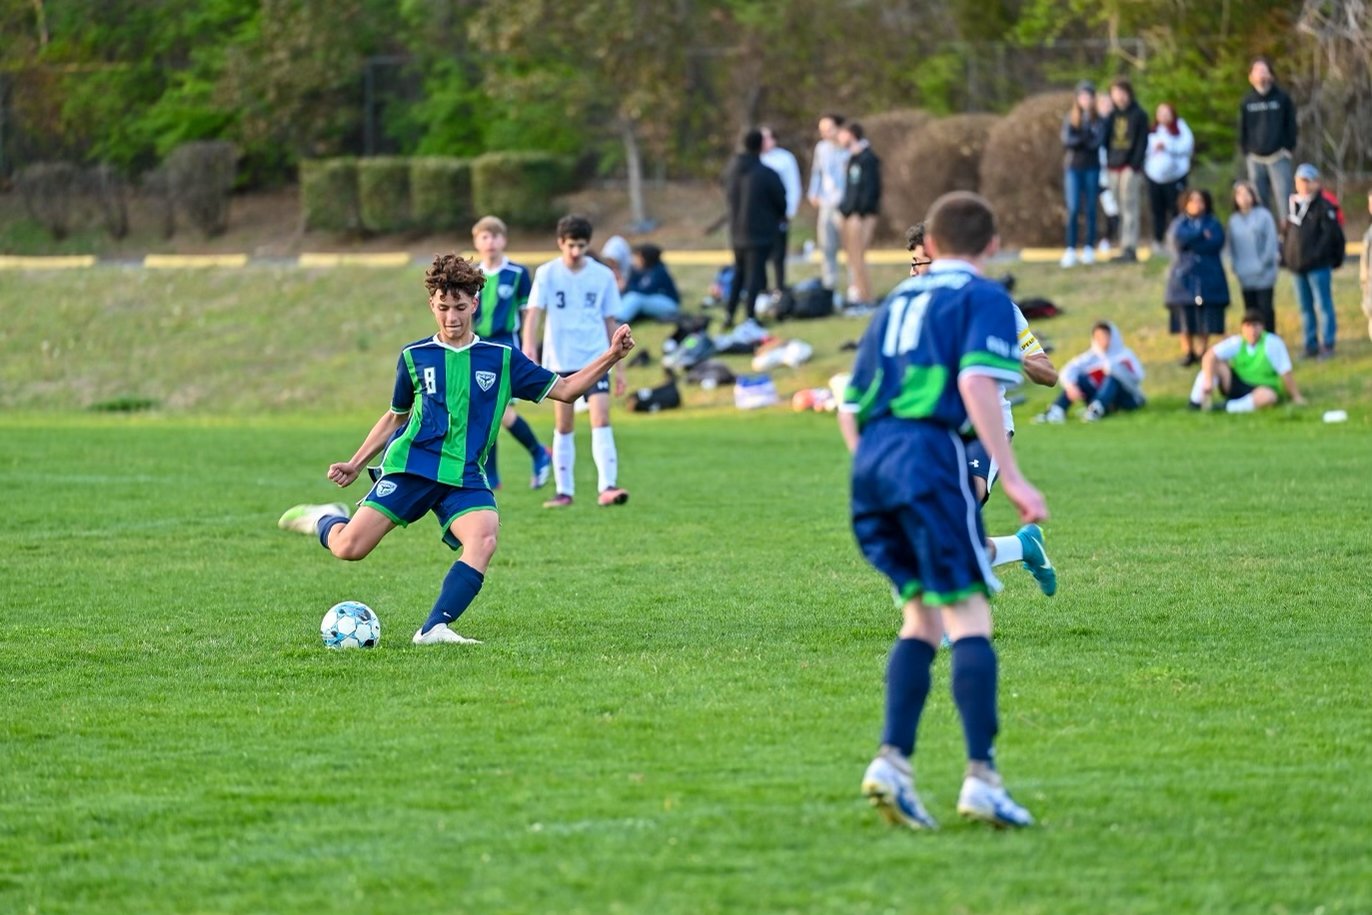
(561, 500)
(440, 634)
(981, 800)
(1036, 559)
(613, 496)
(1103, 246)
(543, 466)
(303, 519)
(1069, 258)
(1088, 255)
(1053, 414)
(890, 789)
(1094, 412)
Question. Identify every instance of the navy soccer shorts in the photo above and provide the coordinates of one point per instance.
(915, 516)
(405, 497)
(979, 464)
(602, 385)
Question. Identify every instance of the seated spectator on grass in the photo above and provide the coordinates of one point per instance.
(616, 254)
(649, 290)
(1197, 290)
(1107, 378)
(1250, 370)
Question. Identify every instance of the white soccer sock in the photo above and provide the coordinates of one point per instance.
(1198, 389)
(605, 455)
(1242, 404)
(1008, 549)
(564, 463)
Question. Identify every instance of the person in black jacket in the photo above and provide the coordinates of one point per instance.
(1126, 147)
(1312, 246)
(859, 209)
(1267, 136)
(1082, 134)
(757, 205)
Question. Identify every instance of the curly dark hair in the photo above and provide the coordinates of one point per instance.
(574, 226)
(452, 274)
(914, 236)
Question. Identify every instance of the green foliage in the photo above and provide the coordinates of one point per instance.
(329, 195)
(383, 193)
(520, 186)
(441, 192)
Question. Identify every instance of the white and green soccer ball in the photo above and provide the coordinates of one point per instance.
(351, 624)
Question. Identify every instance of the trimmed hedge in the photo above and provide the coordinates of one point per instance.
(49, 190)
(519, 187)
(1021, 171)
(383, 194)
(441, 193)
(202, 174)
(328, 194)
(944, 155)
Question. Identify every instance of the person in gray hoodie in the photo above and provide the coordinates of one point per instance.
(1252, 247)
(1107, 378)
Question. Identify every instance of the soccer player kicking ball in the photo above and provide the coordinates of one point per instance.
(573, 302)
(503, 298)
(932, 358)
(450, 391)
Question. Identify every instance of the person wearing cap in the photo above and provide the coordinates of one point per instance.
(1312, 246)
(1083, 132)
(1267, 135)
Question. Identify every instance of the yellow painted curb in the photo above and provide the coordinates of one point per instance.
(382, 259)
(67, 262)
(193, 261)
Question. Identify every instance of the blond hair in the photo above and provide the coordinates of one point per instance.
(493, 224)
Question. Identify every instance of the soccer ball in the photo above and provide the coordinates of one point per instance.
(351, 624)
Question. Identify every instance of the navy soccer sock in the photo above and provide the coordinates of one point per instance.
(974, 691)
(460, 587)
(325, 524)
(524, 434)
(907, 687)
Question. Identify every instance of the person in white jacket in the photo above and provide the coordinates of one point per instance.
(1107, 378)
(1170, 145)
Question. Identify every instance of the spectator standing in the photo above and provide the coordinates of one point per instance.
(650, 289)
(1267, 136)
(1312, 246)
(1197, 290)
(1364, 275)
(783, 162)
(1126, 148)
(1109, 203)
(1252, 243)
(828, 177)
(861, 203)
(757, 205)
(1083, 132)
(1170, 145)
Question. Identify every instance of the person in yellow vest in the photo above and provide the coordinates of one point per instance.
(1251, 369)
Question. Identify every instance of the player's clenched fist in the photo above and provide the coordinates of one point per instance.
(342, 473)
(623, 341)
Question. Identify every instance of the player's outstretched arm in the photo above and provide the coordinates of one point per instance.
(848, 428)
(981, 395)
(1039, 369)
(571, 387)
(344, 472)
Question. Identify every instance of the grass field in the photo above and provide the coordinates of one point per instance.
(676, 700)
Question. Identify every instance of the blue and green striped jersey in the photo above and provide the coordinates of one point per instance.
(455, 398)
(932, 329)
(505, 293)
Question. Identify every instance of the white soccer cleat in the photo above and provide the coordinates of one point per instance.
(892, 792)
(304, 519)
(981, 800)
(440, 634)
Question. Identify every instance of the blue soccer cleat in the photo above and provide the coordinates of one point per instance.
(991, 803)
(1036, 560)
(892, 791)
(543, 466)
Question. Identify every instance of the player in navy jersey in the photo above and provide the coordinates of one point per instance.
(450, 392)
(498, 317)
(930, 362)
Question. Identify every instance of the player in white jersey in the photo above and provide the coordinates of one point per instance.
(572, 303)
(1025, 545)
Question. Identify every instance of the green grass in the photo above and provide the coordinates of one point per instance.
(676, 700)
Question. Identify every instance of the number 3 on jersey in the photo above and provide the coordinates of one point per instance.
(905, 324)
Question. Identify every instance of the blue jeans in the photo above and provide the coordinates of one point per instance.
(1112, 395)
(657, 306)
(1082, 186)
(1308, 285)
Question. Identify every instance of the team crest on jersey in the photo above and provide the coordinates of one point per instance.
(385, 488)
(485, 379)
(505, 290)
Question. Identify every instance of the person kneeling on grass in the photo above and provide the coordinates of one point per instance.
(451, 390)
(1251, 370)
(1108, 378)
